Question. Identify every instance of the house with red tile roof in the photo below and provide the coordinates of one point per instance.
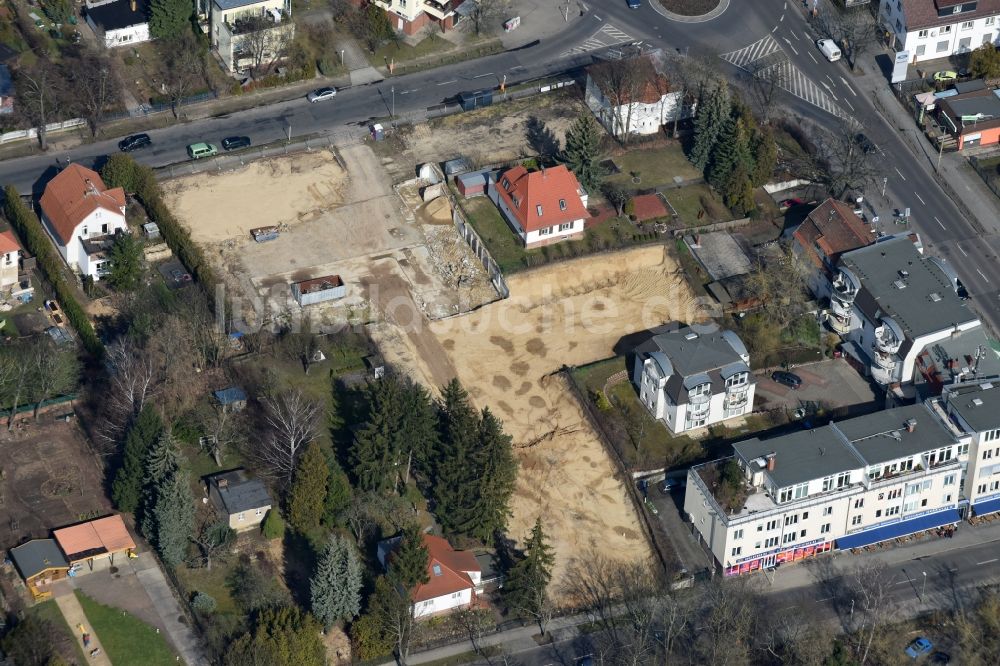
(640, 102)
(829, 231)
(10, 254)
(82, 215)
(542, 207)
(929, 29)
(454, 577)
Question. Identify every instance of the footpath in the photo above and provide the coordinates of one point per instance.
(72, 611)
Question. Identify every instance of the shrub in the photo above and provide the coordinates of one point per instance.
(601, 401)
(273, 526)
(29, 228)
(203, 603)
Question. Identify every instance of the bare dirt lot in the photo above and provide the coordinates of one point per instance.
(339, 215)
(493, 134)
(506, 353)
(50, 478)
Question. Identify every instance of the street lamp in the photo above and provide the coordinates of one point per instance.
(394, 102)
(885, 181)
(852, 607)
(923, 587)
(341, 56)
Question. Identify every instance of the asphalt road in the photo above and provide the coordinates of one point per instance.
(910, 182)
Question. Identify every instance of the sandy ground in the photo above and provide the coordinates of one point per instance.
(339, 215)
(506, 353)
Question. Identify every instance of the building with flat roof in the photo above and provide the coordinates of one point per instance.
(892, 302)
(690, 379)
(844, 485)
(973, 410)
(972, 118)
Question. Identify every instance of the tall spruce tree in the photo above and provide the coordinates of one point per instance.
(765, 155)
(173, 514)
(583, 144)
(335, 588)
(126, 489)
(456, 477)
(162, 462)
(338, 491)
(408, 561)
(725, 155)
(308, 493)
(169, 18)
(419, 430)
(709, 120)
(525, 589)
(497, 471)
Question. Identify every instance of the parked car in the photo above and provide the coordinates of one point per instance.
(134, 142)
(790, 203)
(919, 647)
(865, 143)
(198, 150)
(235, 142)
(789, 379)
(829, 49)
(634, 4)
(669, 484)
(321, 95)
(945, 75)
(178, 275)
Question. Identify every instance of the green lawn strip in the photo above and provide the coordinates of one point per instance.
(690, 200)
(500, 239)
(656, 167)
(400, 51)
(49, 612)
(212, 583)
(127, 640)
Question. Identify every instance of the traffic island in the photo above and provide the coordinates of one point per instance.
(690, 11)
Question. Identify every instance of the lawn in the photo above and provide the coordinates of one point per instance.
(49, 612)
(126, 639)
(691, 200)
(655, 166)
(400, 51)
(212, 583)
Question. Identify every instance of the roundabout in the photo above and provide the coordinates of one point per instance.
(690, 11)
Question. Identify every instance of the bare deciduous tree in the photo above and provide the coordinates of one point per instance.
(687, 75)
(184, 58)
(40, 96)
(132, 379)
(292, 420)
(486, 14)
(54, 371)
(766, 78)
(263, 42)
(94, 85)
(872, 584)
(854, 28)
(213, 538)
(620, 81)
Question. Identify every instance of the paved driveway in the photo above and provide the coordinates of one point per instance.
(833, 383)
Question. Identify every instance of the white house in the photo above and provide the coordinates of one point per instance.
(410, 16)
(890, 304)
(232, 21)
(930, 29)
(845, 485)
(10, 255)
(119, 22)
(454, 577)
(542, 207)
(626, 108)
(693, 380)
(82, 215)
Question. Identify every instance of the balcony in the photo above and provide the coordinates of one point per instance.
(736, 400)
(273, 18)
(440, 10)
(886, 341)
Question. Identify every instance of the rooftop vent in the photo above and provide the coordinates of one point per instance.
(904, 273)
(437, 569)
(911, 425)
(986, 387)
(222, 483)
(977, 402)
(935, 297)
(899, 284)
(691, 336)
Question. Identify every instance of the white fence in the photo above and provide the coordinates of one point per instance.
(17, 135)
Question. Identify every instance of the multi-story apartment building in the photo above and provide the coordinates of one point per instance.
(973, 411)
(890, 303)
(845, 485)
(410, 16)
(250, 34)
(692, 380)
(929, 29)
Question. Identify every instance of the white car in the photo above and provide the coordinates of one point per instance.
(321, 95)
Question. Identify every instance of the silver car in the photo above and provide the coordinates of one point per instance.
(321, 95)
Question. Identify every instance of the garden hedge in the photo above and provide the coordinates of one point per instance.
(37, 242)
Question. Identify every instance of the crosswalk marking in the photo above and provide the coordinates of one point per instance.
(765, 57)
(607, 35)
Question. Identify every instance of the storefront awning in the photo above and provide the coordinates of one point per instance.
(899, 529)
(989, 506)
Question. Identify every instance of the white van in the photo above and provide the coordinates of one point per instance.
(829, 49)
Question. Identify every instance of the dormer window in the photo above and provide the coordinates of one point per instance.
(538, 208)
(562, 204)
(506, 184)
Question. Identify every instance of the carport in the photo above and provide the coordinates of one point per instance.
(94, 541)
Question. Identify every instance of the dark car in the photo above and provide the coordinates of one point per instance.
(634, 4)
(234, 142)
(940, 658)
(134, 142)
(866, 144)
(789, 379)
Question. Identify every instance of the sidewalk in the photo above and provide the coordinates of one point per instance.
(70, 607)
(799, 575)
(159, 592)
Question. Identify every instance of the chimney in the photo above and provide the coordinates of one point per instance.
(911, 425)
(222, 483)
(132, 5)
(770, 461)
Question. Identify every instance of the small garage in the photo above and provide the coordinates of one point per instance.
(472, 184)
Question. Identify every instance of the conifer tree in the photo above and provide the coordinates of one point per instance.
(169, 18)
(408, 561)
(126, 490)
(725, 155)
(308, 493)
(419, 430)
(335, 588)
(338, 492)
(162, 463)
(709, 120)
(583, 144)
(765, 155)
(526, 587)
(497, 471)
(456, 480)
(173, 515)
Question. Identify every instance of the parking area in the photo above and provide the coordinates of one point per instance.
(831, 384)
